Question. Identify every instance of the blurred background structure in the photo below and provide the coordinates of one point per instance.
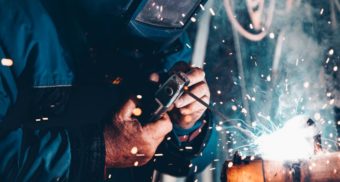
(266, 62)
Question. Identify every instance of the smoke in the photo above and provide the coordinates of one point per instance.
(284, 72)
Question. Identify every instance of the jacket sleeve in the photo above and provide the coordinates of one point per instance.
(45, 154)
(52, 154)
(185, 158)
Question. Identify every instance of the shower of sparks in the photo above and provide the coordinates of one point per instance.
(295, 140)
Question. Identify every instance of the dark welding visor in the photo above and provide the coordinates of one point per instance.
(167, 13)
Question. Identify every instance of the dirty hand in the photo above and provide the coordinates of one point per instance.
(128, 143)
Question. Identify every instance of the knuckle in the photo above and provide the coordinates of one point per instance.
(117, 117)
(199, 72)
(196, 72)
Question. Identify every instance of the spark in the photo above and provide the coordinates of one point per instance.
(321, 11)
(251, 26)
(291, 142)
(212, 12)
(193, 19)
(202, 7)
(7, 62)
(117, 81)
(134, 150)
(139, 97)
(188, 147)
(137, 111)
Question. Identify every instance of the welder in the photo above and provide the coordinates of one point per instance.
(71, 74)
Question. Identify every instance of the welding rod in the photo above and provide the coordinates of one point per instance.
(207, 106)
(225, 119)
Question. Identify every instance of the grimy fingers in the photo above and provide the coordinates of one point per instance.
(158, 129)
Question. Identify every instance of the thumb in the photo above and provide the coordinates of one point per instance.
(159, 128)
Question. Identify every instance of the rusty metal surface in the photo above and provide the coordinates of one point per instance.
(276, 171)
(320, 168)
(246, 172)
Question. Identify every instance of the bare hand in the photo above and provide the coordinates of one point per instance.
(130, 144)
(188, 110)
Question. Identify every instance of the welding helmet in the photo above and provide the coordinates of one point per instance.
(139, 23)
(160, 20)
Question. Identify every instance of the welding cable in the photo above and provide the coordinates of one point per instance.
(241, 30)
